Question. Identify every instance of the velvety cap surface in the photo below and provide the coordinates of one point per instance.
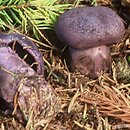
(87, 27)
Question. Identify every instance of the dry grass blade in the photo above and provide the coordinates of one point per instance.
(87, 127)
(110, 101)
(71, 105)
(2, 127)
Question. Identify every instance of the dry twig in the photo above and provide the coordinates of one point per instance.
(110, 101)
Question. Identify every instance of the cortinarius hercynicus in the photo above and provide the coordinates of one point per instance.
(24, 92)
(89, 31)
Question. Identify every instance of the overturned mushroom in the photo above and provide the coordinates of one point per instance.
(24, 93)
(89, 31)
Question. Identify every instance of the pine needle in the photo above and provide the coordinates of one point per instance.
(31, 15)
(110, 101)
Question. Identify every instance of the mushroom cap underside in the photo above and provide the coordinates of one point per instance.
(22, 45)
(87, 27)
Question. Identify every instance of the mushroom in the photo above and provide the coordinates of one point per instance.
(89, 31)
(24, 92)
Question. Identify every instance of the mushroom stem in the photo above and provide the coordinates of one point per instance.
(23, 92)
(91, 61)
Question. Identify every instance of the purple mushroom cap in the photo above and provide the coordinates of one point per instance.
(88, 27)
(26, 45)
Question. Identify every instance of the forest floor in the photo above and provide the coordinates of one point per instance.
(87, 104)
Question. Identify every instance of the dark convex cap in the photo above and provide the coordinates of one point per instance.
(87, 27)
